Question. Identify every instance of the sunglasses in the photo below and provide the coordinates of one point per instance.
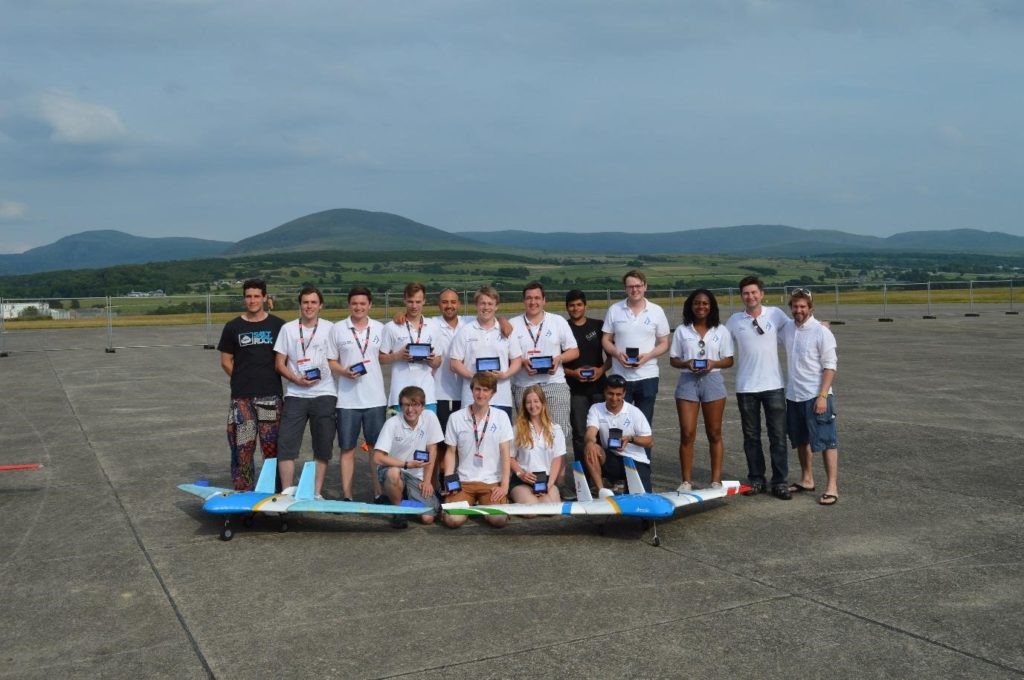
(760, 331)
(802, 292)
(701, 345)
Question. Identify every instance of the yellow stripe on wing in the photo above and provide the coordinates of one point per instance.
(256, 508)
(615, 506)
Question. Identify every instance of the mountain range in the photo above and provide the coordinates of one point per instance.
(361, 230)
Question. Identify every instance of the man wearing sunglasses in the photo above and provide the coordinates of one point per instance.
(759, 385)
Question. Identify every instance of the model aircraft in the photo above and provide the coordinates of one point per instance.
(635, 503)
(293, 499)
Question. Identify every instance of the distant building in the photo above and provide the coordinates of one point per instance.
(139, 294)
(15, 310)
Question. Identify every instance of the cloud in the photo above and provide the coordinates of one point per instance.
(12, 210)
(77, 122)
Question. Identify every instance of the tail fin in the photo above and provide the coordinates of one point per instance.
(582, 488)
(633, 483)
(304, 492)
(267, 483)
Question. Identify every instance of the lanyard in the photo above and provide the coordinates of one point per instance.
(419, 331)
(302, 342)
(478, 437)
(540, 329)
(355, 336)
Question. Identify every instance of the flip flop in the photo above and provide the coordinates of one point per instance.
(799, 488)
(828, 499)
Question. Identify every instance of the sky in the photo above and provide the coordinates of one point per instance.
(223, 119)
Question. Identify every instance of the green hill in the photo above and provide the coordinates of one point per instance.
(350, 229)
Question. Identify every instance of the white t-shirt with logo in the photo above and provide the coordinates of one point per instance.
(406, 373)
(757, 363)
(350, 345)
(481, 464)
(636, 330)
(629, 419)
(686, 344)
(307, 348)
(550, 337)
(447, 383)
(400, 440)
(473, 342)
(538, 458)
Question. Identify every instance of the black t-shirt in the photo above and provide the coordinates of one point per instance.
(252, 344)
(588, 337)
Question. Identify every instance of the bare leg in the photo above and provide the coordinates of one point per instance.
(453, 521)
(806, 466)
(347, 465)
(393, 485)
(831, 459)
(593, 465)
(687, 412)
(713, 414)
(286, 471)
(321, 473)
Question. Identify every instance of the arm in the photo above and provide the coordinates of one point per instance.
(502, 488)
(459, 368)
(227, 362)
(821, 403)
(427, 485)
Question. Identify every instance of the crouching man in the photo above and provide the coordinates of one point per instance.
(406, 452)
(616, 430)
(477, 462)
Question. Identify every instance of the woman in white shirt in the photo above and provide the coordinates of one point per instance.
(539, 451)
(701, 346)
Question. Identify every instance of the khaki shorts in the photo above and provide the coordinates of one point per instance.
(475, 493)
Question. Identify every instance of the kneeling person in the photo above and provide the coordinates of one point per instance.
(616, 430)
(406, 452)
(479, 439)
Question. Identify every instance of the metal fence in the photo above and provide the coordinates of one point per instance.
(112, 323)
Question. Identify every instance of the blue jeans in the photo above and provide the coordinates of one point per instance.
(774, 403)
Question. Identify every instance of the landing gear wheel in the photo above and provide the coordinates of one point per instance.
(656, 542)
(226, 532)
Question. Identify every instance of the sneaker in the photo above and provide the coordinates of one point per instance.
(685, 487)
(348, 500)
(619, 488)
(755, 488)
(605, 493)
(399, 522)
(382, 500)
(782, 492)
(716, 485)
(318, 497)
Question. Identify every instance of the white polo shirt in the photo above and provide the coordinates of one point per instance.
(686, 344)
(350, 346)
(550, 337)
(636, 330)
(491, 431)
(758, 368)
(473, 342)
(447, 383)
(538, 458)
(810, 349)
(629, 419)
(406, 373)
(400, 440)
(310, 349)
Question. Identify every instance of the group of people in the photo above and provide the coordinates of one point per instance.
(482, 406)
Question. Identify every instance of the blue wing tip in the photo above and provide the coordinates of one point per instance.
(202, 482)
(412, 504)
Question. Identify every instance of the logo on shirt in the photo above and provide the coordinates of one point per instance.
(255, 338)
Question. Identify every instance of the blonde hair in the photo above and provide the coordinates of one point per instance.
(524, 436)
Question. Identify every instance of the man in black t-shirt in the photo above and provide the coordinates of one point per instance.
(585, 375)
(247, 356)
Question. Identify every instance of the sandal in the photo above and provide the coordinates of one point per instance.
(828, 499)
(799, 488)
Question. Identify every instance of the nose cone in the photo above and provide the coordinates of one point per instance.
(234, 503)
(650, 506)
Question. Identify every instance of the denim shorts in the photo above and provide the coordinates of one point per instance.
(807, 427)
(412, 490)
(702, 388)
(352, 420)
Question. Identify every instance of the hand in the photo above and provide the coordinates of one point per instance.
(499, 492)
(413, 464)
(426, 488)
(623, 359)
(527, 477)
(352, 375)
(820, 405)
(625, 439)
(435, 360)
(399, 318)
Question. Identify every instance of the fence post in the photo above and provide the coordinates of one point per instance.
(970, 299)
(835, 321)
(885, 301)
(209, 323)
(3, 329)
(1009, 312)
(110, 329)
(929, 315)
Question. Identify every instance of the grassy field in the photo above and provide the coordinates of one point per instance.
(138, 311)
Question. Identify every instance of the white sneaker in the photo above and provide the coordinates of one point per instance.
(318, 497)
(604, 493)
(685, 487)
(716, 485)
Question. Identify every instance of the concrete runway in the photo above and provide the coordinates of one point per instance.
(109, 571)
